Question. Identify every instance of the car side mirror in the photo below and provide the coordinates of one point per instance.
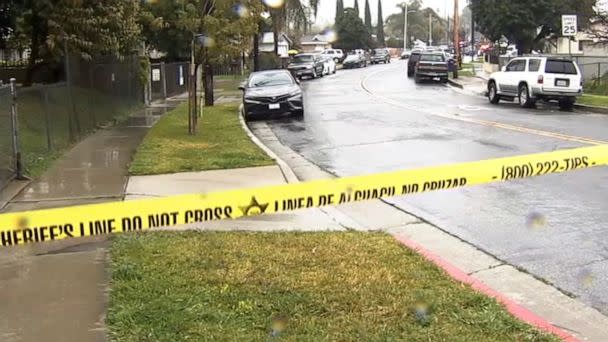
(504, 68)
(242, 86)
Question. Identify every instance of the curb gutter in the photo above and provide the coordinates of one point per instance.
(288, 174)
(513, 308)
(592, 109)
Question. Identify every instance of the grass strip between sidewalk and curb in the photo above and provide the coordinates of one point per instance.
(593, 100)
(336, 286)
(220, 143)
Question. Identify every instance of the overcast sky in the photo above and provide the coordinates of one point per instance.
(327, 8)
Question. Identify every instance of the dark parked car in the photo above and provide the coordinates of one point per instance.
(412, 61)
(306, 64)
(381, 56)
(354, 61)
(432, 66)
(271, 92)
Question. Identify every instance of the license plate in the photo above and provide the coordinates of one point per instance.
(561, 83)
(274, 106)
(436, 79)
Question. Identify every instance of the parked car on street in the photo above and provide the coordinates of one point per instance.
(354, 61)
(336, 54)
(537, 78)
(329, 65)
(271, 92)
(306, 64)
(380, 56)
(432, 66)
(412, 61)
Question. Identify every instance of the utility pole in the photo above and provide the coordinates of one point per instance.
(405, 27)
(456, 38)
(430, 28)
(472, 34)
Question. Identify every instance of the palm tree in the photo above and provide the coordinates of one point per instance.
(292, 13)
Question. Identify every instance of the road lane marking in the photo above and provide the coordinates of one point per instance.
(495, 124)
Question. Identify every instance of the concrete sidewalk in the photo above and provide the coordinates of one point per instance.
(57, 291)
(312, 219)
(472, 85)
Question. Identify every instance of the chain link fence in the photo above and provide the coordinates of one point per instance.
(53, 116)
(6, 150)
(168, 79)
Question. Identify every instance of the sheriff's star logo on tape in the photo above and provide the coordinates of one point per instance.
(254, 208)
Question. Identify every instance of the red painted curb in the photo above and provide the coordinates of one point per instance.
(515, 309)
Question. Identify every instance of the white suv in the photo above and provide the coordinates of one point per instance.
(336, 54)
(537, 78)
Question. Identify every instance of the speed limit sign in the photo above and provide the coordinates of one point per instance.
(569, 25)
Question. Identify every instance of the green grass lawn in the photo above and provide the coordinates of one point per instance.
(221, 143)
(91, 107)
(330, 286)
(593, 100)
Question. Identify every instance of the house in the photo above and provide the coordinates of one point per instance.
(314, 43)
(583, 44)
(267, 44)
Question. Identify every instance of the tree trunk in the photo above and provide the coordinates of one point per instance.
(256, 52)
(34, 50)
(208, 84)
(275, 37)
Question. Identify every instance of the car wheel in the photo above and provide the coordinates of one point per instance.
(493, 93)
(566, 104)
(337, 60)
(524, 97)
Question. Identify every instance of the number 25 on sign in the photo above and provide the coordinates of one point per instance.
(569, 25)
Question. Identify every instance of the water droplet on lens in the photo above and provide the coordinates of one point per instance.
(536, 220)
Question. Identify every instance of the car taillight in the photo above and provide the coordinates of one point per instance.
(541, 79)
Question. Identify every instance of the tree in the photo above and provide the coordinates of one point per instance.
(599, 27)
(357, 6)
(293, 13)
(368, 17)
(171, 26)
(418, 24)
(527, 23)
(339, 10)
(9, 11)
(87, 28)
(352, 33)
(380, 26)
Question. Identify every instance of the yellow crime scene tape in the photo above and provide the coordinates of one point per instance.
(137, 215)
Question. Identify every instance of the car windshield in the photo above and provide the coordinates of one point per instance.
(303, 59)
(380, 51)
(432, 58)
(560, 67)
(270, 79)
(351, 57)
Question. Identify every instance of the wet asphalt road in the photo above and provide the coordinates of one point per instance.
(375, 119)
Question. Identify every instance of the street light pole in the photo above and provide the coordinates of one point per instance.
(456, 27)
(430, 28)
(405, 27)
